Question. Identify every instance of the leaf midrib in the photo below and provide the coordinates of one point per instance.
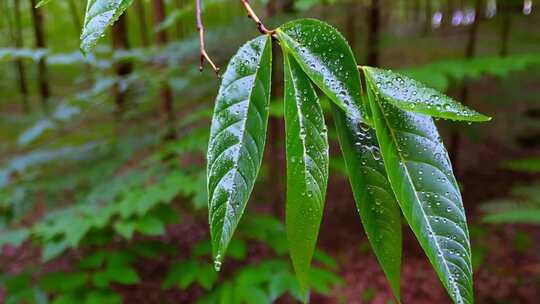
(300, 122)
(240, 145)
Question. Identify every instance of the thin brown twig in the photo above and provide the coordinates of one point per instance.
(200, 28)
(260, 26)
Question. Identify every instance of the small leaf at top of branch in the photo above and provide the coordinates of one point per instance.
(411, 95)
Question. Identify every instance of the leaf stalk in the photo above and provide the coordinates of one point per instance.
(253, 16)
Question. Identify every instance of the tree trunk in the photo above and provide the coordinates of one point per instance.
(43, 82)
(19, 64)
(473, 30)
(75, 14)
(141, 17)
(428, 11)
(271, 8)
(505, 29)
(470, 50)
(448, 15)
(416, 11)
(373, 33)
(288, 6)
(350, 23)
(120, 41)
(159, 15)
(166, 96)
(179, 21)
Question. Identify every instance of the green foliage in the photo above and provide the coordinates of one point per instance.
(258, 282)
(134, 209)
(14, 237)
(42, 3)
(100, 14)
(373, 194)
(523, 206)
(420, 173)
(19, 289)
(237, 139)
(137, 201)
(307, 166)
(327, 59)
(410, 95)
(440, 75)
(90, 281)
(530, 165)
(408, 163)
(96, 273)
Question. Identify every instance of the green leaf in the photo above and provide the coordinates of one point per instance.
(150, 225)
(100, 14)
(93, 260)
(121, 274)
(69, 298)
(182, 274)
(441, 74)
(529, 165)
(375, 200)
(125, 228)
(325, 260)
(206, 276)
(421, 176)
(53, 249)
(64, 282)
(237, 139)
(13, 237)
(252, 295)
(42, 3)
(522, 215)
(327, 59)
(102, 297)
(411, 95)
(307, 167)
(323, 280)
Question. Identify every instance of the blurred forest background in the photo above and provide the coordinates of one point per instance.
(102, 171)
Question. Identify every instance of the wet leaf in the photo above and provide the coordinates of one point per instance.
(237, 139)
(516, 215)
(421, 176)
(375, 200)
(42, 3)
(411, 95)
(100, 14)
(327, 59)
(307, 167)
(13, 237)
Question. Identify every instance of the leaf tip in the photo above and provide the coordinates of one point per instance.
(218, 261)
(481, 118)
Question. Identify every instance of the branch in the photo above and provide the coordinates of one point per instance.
(260, 26)
(200, 28)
